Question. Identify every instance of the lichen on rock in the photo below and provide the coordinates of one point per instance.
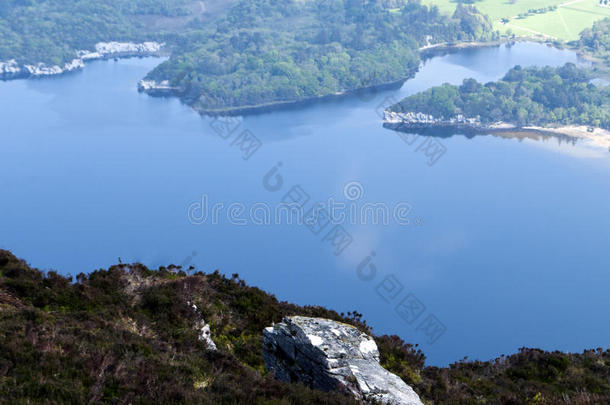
(329, 355)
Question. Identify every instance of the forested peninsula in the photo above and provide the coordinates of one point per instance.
(265, 53)
(229, 57)
(525, 98)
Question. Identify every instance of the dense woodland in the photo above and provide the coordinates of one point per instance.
(127, 335)
(524, 96)
(269, 51)
(51, 31)
(258, 52)
(254, 52)
(596, 40)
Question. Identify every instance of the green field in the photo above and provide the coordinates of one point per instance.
(565, 23)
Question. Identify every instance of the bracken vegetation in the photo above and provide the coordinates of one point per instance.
(127, 335)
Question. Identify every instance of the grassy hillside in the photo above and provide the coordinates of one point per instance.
(563, 23)
(127, 335)
(496, 9)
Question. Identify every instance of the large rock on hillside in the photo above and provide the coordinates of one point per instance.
(329, 355)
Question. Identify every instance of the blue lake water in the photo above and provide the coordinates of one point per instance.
(507, 241)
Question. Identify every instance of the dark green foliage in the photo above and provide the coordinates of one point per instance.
(253, 52)
(127, 335)
(532, 96)
(50, 31)
(267, 52)
(401, 358)
(531, 376)
(596, 40)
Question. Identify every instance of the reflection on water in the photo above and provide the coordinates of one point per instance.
(499, 248)
(448, 132)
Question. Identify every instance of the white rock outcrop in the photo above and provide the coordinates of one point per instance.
(329, 355)
(204, 332)
(127, 48)
(12, 70)
(155, 88)
(40, 69)
(9, 69)
(392, 117)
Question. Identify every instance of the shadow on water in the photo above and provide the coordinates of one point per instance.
(470, 133)
(96, 170)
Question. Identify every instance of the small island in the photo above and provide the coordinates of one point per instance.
(555, 101)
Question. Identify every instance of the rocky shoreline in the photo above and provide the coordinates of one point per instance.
(443, 48)
(425, 124)
(155, 88)
(163, 89)
(11, 69)
(293, 104)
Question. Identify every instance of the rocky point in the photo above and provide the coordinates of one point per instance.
(329, 355)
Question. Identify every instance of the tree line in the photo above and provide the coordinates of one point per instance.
(524, 96)
(269, 51)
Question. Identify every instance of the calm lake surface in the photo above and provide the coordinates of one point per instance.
(507, 241)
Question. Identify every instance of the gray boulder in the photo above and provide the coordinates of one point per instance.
(330, 355)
